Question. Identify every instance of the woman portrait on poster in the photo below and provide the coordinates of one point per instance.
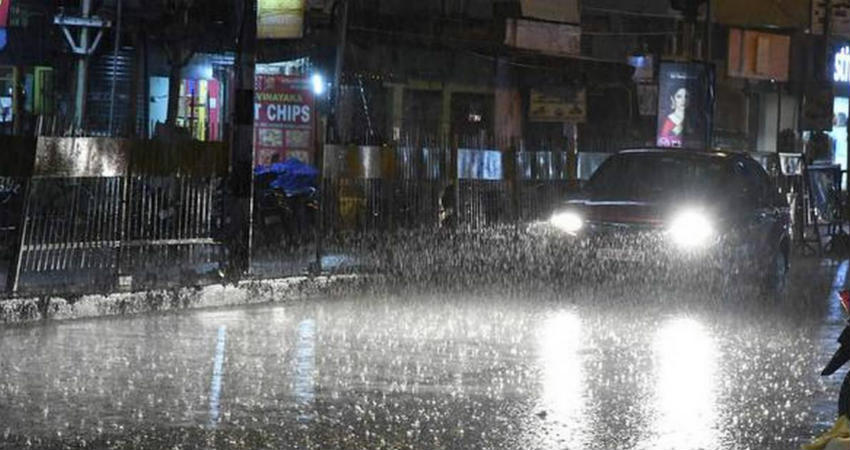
(674, 124)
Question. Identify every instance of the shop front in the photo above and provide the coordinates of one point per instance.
(840, 106)
(26, 93)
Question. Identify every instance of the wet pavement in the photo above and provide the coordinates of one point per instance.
(624, 366)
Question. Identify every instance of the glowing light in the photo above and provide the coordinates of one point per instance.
(691, 229)
(568, 221)
(842, 65)
(318, 84)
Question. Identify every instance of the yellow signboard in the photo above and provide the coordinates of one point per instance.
(280, 19)
(555, 105)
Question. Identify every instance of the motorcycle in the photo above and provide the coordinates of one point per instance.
(287, 205)
(839, 436)
(841, 356)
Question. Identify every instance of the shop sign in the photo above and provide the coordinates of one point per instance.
(4, 13)
(280, 19)
(758, 56)
(685, 105)
(564, 11)
(558, 105)
(284, 118)
(839, 17)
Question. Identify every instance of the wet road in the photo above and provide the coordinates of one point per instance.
(623, 367)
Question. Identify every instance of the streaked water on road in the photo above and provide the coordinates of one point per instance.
(617, 367)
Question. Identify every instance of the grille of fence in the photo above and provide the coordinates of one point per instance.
(153, 213)
(376, 188)
(104, 212)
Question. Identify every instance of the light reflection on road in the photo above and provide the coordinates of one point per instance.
(686, 395)
(563, 384)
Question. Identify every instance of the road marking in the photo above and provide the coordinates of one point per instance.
(215, 388)
(305, 369)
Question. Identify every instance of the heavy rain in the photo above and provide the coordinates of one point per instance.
(387, 224)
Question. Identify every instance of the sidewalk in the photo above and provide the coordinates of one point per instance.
(247, 292)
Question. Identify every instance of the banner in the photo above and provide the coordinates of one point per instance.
(758, 56)
(546, 37)
(4, 13)
(685, 105)
(280, 19)
(284, 118)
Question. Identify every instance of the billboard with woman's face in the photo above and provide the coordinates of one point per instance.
(684, 105)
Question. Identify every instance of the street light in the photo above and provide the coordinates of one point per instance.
(318, 82)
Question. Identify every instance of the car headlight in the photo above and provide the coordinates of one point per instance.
(691, 229)
(567, 221)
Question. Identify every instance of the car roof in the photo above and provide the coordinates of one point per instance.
(696, 154)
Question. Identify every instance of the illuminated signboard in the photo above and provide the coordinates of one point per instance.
(842, 65)
(684, 105)
(4, 13)
(280, 19)
(284, 119)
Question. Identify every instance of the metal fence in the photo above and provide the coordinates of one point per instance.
(151, 215)
(100, 214)
(406, 187)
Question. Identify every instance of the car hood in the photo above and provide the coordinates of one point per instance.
(626, 212)
(638, 213)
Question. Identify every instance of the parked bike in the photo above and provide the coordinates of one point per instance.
(287, 208)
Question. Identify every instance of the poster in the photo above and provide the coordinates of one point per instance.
(4, 13)
(284, 119)
(558, 105)
(685, 105)
(280, 19)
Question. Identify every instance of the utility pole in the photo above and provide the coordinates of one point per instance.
(241, 180)
(115, 70)
(333, 123)
(83, 50)
(82, 72)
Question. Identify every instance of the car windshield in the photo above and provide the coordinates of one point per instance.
(651, 176)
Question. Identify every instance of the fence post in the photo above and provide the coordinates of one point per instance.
(13, 278)
(571, 132)
(509, 164)
(454, 180)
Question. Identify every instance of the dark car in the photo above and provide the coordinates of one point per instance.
(714, 213)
